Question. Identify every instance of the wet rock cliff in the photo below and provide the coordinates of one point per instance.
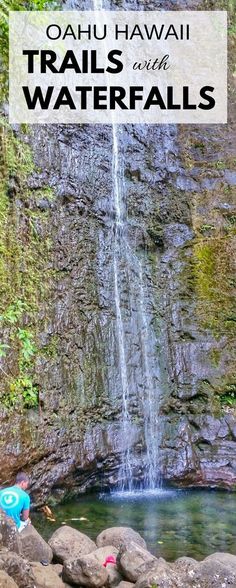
(173, 284)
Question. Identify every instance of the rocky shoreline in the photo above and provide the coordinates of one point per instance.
(119, 558)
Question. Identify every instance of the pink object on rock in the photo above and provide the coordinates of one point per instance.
(110, 559)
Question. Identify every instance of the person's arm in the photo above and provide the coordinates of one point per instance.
(25, 514)
(26, 509)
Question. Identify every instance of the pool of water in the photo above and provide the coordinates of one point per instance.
(195, 523)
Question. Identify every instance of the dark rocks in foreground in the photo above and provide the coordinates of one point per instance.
(89, 565)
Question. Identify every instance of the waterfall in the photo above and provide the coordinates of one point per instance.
(150, 395)
(150, 405)
(128, 269)
(119, 241)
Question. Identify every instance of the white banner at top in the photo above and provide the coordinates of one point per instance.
(118, 67)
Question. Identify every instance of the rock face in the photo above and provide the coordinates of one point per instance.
(67, 543)
(33, 546)
(179, 198)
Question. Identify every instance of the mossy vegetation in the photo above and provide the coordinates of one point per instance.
(208, 269)
(24, 244)
(24, 271)
(229, 397)
(51, 349)
(22, 343)
(6, 7)
(228, 5)
(214, 273)
(211, 276)
(16, 165)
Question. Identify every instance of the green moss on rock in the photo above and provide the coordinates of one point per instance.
(24, 268)
(214, 271)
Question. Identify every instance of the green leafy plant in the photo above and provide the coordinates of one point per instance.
(206, 227)
(21, 390)
(28, 348)
(3, 349)
(14, 312)
(228, 399)
(228, 395)
(23, 387)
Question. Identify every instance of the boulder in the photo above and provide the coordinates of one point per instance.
(34, 548)
(85, 571)
(6, 581)
(225, 559)
(18, 568)
(118, 536)
(10, 537)
(46, 576)
(103, 552)
(161, 575)
(68, 543)
(184, 564)
(114, 577)
(133, 561)
(217, 570)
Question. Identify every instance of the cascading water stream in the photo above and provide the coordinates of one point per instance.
(126, 469)
(150, 421)
(149, 396)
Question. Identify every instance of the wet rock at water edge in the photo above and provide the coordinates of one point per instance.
(215, 571)
(118, 536)
(68, 543)
(161, 575)
(34, 548)
(133, 561)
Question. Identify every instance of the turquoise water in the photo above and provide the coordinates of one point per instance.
(173, 523)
